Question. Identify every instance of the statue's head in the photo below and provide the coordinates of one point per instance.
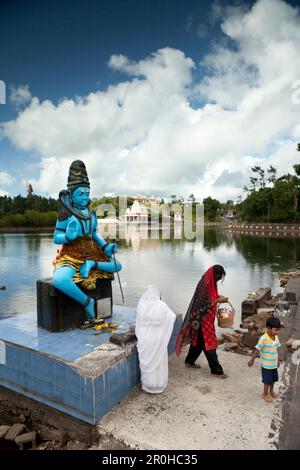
(79, 185)
(81, 197)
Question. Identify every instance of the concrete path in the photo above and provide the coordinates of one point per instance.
(198, 411)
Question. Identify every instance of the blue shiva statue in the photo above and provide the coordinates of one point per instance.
(84, 256)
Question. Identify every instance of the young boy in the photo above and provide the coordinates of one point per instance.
(267, 347)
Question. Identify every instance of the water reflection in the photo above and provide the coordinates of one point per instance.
(175, 265)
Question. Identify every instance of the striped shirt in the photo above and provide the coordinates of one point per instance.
(268, 351)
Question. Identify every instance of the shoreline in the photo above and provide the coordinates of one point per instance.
(26, 229)
(241, 227)
(262, 228)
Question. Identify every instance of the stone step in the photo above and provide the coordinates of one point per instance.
(25, 438)
(14, 431)
(292, 291)
(4, 430)
(250, 306)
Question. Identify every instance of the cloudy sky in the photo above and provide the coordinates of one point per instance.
(155, 96)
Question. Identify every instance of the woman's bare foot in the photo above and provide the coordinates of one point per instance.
(267, 398)
(195, 366)
(274, 394)
(222, 376)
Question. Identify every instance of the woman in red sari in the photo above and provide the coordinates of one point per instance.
(198, 327)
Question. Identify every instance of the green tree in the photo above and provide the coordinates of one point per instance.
(211, 208)
(272, 175)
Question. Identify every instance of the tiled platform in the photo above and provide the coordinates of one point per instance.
(78, 371)
(22, 329)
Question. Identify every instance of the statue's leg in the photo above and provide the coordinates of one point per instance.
(109, 266)
(86, 267)
(63, 281)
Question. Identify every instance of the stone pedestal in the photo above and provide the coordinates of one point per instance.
(58, 312)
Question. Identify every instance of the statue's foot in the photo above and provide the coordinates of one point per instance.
(89, 310)
(86, 267)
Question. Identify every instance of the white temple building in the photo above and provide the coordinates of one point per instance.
(177, 218)
(146, 199)
(137, 213)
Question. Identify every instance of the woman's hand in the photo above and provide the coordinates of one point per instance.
(221, 299)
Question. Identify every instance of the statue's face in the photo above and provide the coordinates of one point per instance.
(81, 197)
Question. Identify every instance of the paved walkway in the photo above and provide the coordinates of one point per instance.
(198, 411)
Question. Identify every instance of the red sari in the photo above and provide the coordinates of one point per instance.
(201, 314)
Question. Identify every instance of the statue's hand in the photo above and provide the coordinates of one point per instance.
(72, 229)
(111, 249)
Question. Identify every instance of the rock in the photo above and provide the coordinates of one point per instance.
(14, 431)
(271, 303)
(296, 344)
(231, 346)
(251, 325)
(76, 445)
(248, 307)
(237, 334)
(121, 339)
(252, 318)
(240, 331)
(3, 431)
(289, 342)
(230, 338)
(243, 351)
(250, 340)
(58, 435)
(25, 438)
(49, 445)
(264, 313)
(291, 297)
(22, 418)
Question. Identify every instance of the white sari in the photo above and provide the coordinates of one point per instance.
(154, 326)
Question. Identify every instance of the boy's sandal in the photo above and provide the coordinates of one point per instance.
(221, 377)
(194, 366)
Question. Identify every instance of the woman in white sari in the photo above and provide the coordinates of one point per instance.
(154, 326)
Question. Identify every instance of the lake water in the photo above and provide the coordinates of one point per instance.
(175, 266)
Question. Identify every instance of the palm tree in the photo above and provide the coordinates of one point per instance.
(272, 175)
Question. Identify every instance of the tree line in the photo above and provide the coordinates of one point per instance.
(268, 198)
(28, 211)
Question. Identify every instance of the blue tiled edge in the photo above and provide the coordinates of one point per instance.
(55, 383)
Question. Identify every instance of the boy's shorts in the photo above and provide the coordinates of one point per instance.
(269, 376)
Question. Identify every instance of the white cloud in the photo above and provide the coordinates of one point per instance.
(6, 179)
(20, 96)
(3, 193)
(143, 134)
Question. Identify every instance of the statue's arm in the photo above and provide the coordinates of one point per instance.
(60, 236)
(97, 238)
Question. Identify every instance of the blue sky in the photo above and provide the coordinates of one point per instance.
(62, 50)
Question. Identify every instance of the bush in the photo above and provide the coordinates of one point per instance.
(31, 218)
